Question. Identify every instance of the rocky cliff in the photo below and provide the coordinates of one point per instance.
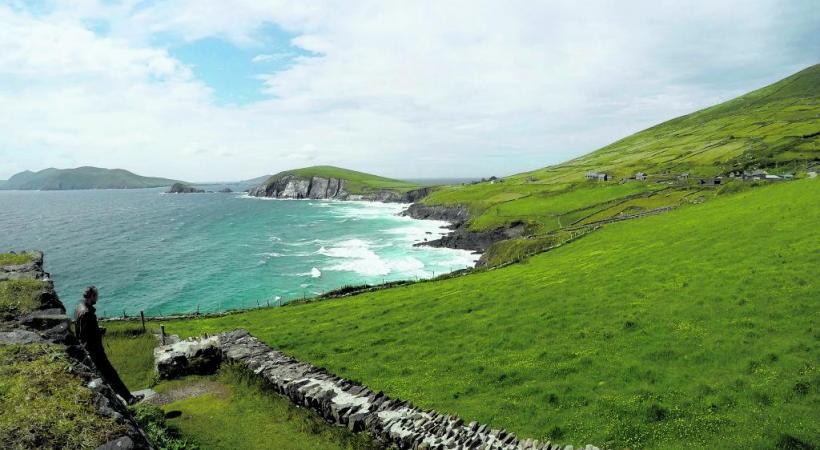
(55, 397)
(300, 187)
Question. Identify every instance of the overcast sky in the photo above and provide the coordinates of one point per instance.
(234, 89)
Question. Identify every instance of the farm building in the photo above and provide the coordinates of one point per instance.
(640, 176)
(598, 176)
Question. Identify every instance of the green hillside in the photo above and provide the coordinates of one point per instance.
(82, 178)
(356, 182)
(692, 329)
(775, 128)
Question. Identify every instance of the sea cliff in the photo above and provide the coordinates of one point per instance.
(292, 186)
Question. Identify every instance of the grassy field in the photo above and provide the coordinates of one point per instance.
(232, 410)
(692, 329)
(775, 127)
(238, 413)
(132, 353)
(356, 182)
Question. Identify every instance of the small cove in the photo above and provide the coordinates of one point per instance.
(164, 254)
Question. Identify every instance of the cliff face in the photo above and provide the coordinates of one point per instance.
(298, 187)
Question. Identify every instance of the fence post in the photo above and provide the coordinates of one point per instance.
(142, 318)
(162, 334)
(123, 314)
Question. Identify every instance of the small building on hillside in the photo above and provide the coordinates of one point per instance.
(684, 176)
(716, 181)
(598, 176)
(640, 176)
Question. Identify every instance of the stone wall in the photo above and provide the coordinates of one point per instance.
(48, 323)
(393, 422)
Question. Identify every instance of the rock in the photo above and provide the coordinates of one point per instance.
(20, 337)
(123, 443)
(299, 187)
(456, 215)
(32, 270)
(147, 394)
(225, 191)
(45, 319)
(199, 357)
(179, 188)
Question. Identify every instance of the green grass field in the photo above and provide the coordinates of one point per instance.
(239, 413)
(692, 329)
(356, 182)
(775, 127)
(235, 412)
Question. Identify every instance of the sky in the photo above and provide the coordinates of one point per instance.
(207, 90)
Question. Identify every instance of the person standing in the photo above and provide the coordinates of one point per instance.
(90, 335)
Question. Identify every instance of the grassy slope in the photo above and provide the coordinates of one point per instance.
(357, 182)
(690, 329)
(13, 259)
(83, 178)
(132, 353)
(18, 297)
(239, 414)
(44, 405)
(246, 416)
(775, 125)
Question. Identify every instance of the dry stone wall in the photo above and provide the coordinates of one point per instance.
(342, 402)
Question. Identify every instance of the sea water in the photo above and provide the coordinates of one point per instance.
(176, 253)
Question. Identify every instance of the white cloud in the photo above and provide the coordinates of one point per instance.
(270, 57)
(466, 87)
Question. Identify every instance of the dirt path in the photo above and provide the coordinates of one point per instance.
(190, 390)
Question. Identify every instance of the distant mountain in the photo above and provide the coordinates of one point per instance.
(255, 181)
(81, 178)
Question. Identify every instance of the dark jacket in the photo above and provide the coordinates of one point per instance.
(86, 327)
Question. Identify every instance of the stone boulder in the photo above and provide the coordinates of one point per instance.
(199, 357)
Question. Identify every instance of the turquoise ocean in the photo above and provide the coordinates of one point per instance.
(174, 253)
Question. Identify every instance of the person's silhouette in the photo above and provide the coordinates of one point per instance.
(90, 335)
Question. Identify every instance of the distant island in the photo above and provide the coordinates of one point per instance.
(81, 178)
(182, 188)
(328, 182)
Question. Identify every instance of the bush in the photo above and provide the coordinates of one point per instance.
(152, 419)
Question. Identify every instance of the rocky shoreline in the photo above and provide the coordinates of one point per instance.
(460, 238)
(318, 188)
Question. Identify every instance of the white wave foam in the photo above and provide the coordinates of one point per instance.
(315, 273)
(358, 257)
